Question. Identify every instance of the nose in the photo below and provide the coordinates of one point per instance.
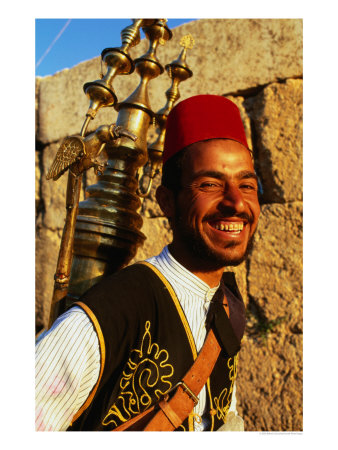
(232, 198)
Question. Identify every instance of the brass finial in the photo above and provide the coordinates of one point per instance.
(187, 41)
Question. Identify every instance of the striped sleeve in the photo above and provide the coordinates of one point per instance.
(67, 368)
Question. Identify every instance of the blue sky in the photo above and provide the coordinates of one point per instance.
(63, 43)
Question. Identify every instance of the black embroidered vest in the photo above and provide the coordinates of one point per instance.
(146, 347)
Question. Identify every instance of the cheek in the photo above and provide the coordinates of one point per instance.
(197, 207)
(194, 206)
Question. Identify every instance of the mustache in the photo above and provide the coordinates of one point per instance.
(218, 216)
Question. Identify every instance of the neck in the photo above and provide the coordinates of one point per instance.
(202, 270)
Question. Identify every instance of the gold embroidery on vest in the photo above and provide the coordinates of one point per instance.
(177, 305)
(223, 401)
(212, 411)
(146, 377)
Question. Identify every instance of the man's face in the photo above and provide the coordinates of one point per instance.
(217, 209)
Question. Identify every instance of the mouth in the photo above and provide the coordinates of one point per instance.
(228, 226)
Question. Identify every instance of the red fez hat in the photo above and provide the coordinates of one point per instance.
(199, 118)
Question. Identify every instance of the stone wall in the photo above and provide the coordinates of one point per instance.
(258, 64)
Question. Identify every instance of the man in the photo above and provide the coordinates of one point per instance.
(131, 338)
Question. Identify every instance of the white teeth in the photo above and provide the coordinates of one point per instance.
(229, 227)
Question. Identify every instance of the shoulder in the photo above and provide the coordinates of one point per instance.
(75, 319)
(125, 296)
(122, 285)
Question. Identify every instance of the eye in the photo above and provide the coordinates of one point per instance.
(210, 186)
(248, 186)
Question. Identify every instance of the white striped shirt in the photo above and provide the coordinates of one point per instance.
(66, 369)
(68, 356)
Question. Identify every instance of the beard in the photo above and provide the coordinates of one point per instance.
(205, 255)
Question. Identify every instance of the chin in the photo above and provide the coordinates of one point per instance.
(213, 259)
(233, 255)
(228, 258)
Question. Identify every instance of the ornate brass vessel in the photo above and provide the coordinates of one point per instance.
(102, 233)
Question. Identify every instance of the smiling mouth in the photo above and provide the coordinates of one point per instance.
(233, 227)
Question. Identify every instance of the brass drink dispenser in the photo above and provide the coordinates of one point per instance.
(103, 232)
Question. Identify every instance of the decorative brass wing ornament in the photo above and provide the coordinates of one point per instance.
(71, 150)
(78, 153)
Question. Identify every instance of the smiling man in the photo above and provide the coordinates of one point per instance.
(131, 340)
(216, 211)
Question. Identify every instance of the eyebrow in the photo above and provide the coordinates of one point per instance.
(244, 174)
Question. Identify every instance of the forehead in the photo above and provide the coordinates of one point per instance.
(220, 155)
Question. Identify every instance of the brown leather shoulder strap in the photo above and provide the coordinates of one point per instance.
(171, 414)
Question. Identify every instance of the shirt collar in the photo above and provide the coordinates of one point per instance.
(185, 278)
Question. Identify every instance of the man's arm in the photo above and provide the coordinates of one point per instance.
(67, 368)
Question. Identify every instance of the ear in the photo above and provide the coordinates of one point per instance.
(165, 198)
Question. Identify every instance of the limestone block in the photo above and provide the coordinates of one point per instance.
(158, 235)
(240, 102)
(269, 387)
(277, 115)
(275, 269)
(253, 52)
(46, 254)
(269, 382)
